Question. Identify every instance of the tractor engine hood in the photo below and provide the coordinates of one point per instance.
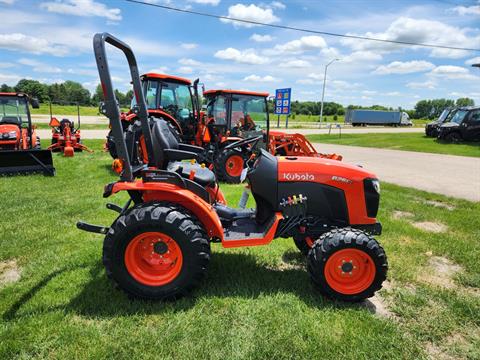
(9, 131)
(320, 170)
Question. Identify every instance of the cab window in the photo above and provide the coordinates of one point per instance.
(249, 112)
(151, 96)
(216, 109)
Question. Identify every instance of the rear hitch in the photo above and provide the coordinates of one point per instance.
(92, 228)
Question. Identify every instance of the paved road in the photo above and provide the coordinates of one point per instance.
(457, 176)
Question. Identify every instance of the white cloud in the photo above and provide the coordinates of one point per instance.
(256, 78)
(185, 70)
(206, 2)
(362, 56)
(39, 66)
(295, 64)
(475, 60)
(298, 46)
(393, 93)
(250, 13)
(8, 2)
(83, 8)
(420, 31)
(189, 62)
(31, 44)
(9, 79)
(159, 70)
(422, 85)
(247, 56)
(407, 67)
(189, 46)
(5, 65)
(467, 10)
(261, 38)
(453, 72)
(278, 5)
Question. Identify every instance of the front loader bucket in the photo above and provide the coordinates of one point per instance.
(26, 162)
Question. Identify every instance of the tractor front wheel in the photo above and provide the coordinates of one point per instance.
(156, 251)
(347, 265)
(229, 166)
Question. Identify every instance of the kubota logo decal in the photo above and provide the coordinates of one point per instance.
(298, 177)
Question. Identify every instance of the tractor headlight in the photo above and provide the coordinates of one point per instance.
(376, 185)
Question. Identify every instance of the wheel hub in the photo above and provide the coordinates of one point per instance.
(347, 267)
(160, 247)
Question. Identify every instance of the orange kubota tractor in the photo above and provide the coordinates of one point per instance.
(66, 137)
(168, 97)
(158, 246)
(233, 115)
(20, 149)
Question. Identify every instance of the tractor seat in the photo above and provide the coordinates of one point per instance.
(163, 144)
(203, 175)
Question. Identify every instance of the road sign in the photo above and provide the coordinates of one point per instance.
(282, 101)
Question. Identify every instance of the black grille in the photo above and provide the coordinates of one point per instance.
(372, 198)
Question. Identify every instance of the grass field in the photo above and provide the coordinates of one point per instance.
(255, 303)
(82, 126)
(405, 141)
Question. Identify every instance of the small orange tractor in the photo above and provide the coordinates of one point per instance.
(20, 149)
(65, 137)
(233, 115)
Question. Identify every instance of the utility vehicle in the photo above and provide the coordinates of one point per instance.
(158, 247)
(20, 149)
(431, 129)
(464, 125)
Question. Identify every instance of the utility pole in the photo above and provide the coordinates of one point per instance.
(323, 92)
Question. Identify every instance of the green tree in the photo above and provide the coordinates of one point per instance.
(6, 88)
(33, 88)
(465, 102)
(75, 92)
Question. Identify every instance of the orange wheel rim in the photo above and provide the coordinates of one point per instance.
(153, 258)
(350, 271)
(234, 165)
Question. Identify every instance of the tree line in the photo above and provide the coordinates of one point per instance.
(68, 92)
(74, 92)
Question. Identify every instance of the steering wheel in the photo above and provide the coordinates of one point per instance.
(172, 108)
(243, 142)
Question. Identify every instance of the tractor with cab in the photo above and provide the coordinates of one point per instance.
(20, 148)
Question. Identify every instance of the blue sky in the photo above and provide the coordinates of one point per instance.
(50, 40)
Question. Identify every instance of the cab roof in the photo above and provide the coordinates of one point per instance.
(235, 92)
(167, 78)
(13, 94)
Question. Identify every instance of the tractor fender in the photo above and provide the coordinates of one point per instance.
(155, 191)
(230, 139)
(167, 117)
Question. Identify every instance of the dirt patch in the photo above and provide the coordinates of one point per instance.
(291, 261)
(441, 272)
(429, 226)
(435, 353)
(398, 214)
(377, 304)
(439, 204)
(9, 272)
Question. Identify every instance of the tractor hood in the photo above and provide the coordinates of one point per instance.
(7, 131)
(326, 171)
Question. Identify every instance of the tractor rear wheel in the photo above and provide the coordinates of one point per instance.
(156, 251)
(229, 166)
(347, 265)
(111, 145)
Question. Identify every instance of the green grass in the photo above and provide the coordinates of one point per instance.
(255, 303)
(67, 110)
(400, 141)
(44, 126)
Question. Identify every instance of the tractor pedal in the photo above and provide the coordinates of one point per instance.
(92, 228)
(114, 207)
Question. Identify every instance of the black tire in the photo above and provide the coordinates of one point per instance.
(169, 219)
(301, 243)
(38, 145)
(221, 164)
(111, 145)
(333, 241)
(453, 137)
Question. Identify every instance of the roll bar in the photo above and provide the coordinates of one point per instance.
(111, 108)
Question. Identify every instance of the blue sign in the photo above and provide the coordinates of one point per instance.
(282, 101)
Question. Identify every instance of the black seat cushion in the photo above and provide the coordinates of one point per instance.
(203, 176)
(162, 138)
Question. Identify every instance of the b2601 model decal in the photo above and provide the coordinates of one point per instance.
(298, 177)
